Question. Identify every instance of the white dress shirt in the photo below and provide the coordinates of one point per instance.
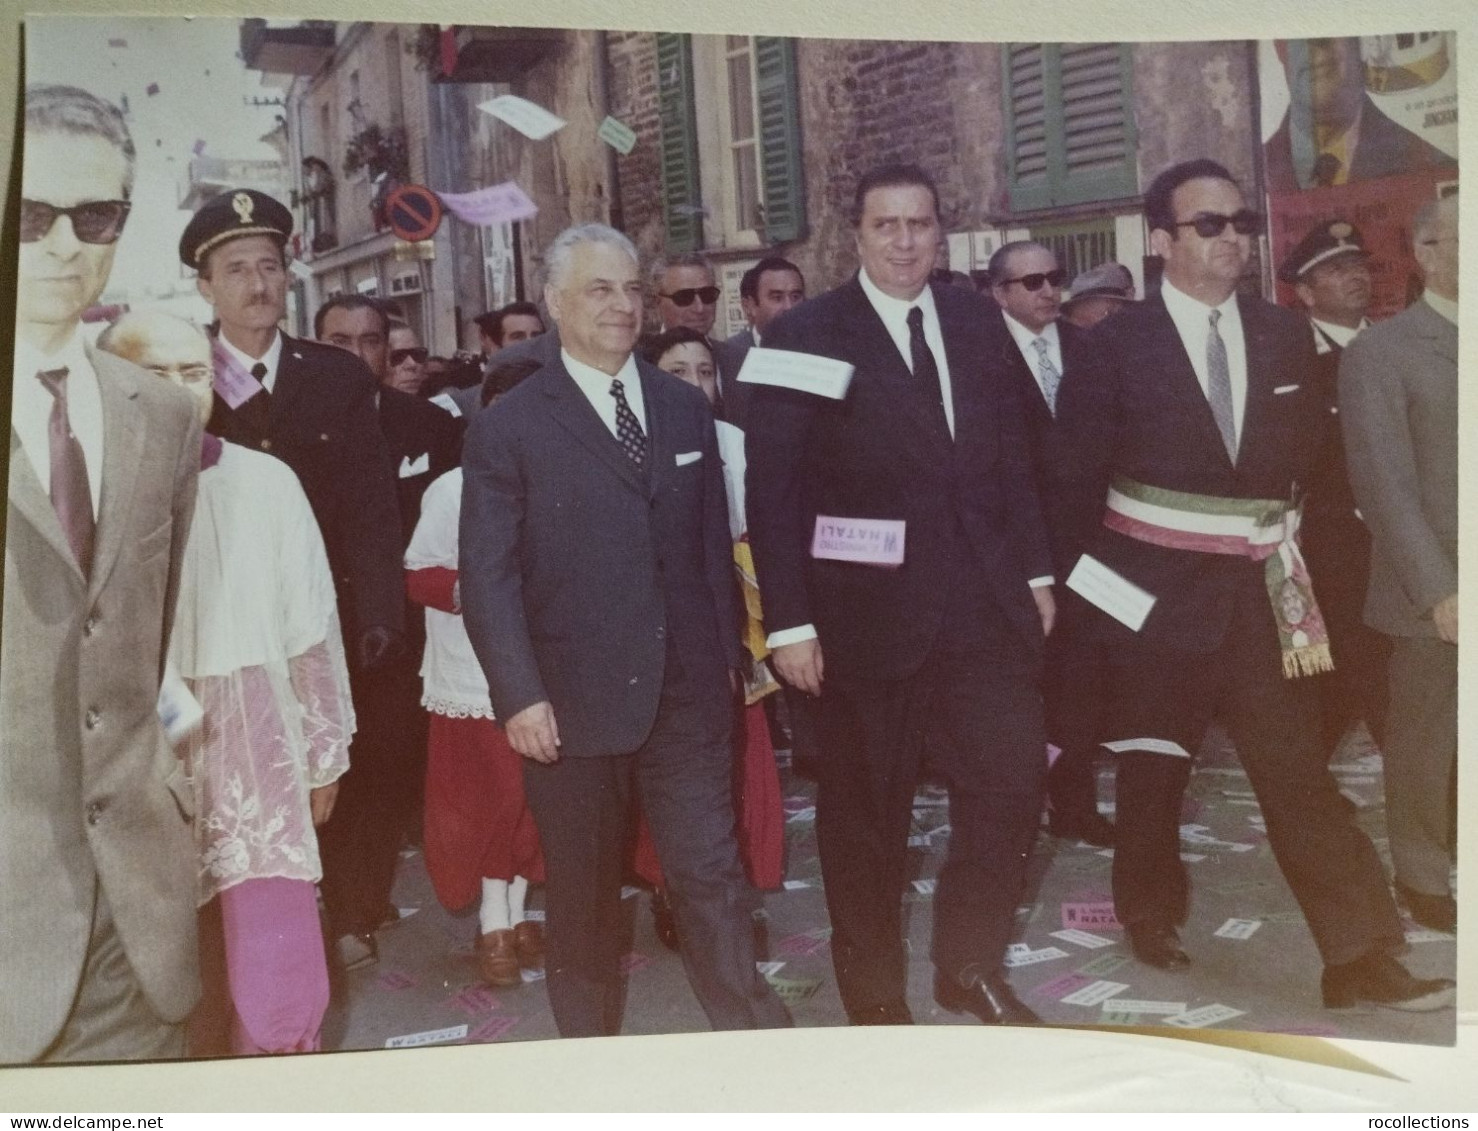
(1192, 320)
(894, 313)
(1341, 336)
(597, 389)
(269, 359)
(31, 410)
(1026, 339)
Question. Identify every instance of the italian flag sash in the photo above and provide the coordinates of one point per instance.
(1264, 530)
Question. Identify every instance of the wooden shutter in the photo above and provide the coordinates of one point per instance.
(1070, 123)
(681, 195)
(782, 177)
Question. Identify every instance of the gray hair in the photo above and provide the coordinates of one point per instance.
(53, 108)
(659, 266)
(557, 258)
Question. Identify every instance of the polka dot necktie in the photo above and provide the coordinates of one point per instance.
(628, 428)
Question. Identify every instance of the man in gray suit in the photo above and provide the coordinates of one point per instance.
(97, 867)
(1398, 402)
(598, 594)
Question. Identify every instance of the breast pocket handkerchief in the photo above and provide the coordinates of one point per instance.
(685, 458)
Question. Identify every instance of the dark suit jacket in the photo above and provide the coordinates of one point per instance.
(578, 570)
(727, 358)
(323, 425)
(883, 452)
(415, 429)
(1136, 409)
(1386, 148)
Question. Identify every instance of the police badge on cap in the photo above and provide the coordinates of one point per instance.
(1324, 242)
(230, 216)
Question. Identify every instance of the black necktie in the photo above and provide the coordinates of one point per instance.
(628, 427)
(259, 371)
(922, 357)
(70, 492)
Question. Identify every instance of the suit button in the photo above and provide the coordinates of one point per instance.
(661, 633)
(89, 626)
(94, 716)
(266, 445)
(95, 812)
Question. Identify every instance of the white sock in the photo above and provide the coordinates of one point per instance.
(493, 914)
(517, 890)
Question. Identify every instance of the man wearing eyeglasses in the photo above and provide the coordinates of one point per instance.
(686, 295)
(1398, 396)
(379, 800)
(97, 866)
(1196, 421)
(1026, 283)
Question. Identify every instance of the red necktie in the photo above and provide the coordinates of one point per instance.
(70, 494)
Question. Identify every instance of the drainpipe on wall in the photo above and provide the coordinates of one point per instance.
(615, 214)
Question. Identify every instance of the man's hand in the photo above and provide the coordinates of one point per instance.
(1046, 607)
(799, 664)
(1444, 616)
(321, 803)
(533, 733)
(378, 646)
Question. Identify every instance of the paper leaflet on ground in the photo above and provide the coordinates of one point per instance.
(1131, 1005)
(1095, 993)
(1032, 957)
(1114, 594)
(430, 1037)
(528, 118)
(1082, 938)
(1206, 1015)
(1238, 929)
(803, 372)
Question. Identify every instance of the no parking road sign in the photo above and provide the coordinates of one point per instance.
(414, 213)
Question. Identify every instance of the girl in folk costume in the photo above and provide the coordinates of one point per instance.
(479, 836)
(257, 643)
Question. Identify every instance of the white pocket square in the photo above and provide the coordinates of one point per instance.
(1285, 389)
(418, 466)
(685, 458)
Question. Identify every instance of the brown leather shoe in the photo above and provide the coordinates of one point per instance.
(528, 938)
(497, 958)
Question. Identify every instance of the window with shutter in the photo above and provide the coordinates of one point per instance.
(782, 175)
(681, 203)
(1070, 123)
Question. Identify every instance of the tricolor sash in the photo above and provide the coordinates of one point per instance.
(1264, 530)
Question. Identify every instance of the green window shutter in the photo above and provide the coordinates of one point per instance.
(681, 194)
(1070, 123)
(782, 176)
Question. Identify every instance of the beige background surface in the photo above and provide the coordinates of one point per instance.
(922, 1069)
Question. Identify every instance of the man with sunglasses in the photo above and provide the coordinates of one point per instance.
(1042, 350)
(1193, 426)
(380, 797)
(686, 295)
(97, 866)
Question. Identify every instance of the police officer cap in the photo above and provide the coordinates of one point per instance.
(1324, 242)
(230, 216)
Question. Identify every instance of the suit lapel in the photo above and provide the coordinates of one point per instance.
(34, 505)
(576, 414)
(1262, 372)
(659, 448)
(125, 432)
(875, 355)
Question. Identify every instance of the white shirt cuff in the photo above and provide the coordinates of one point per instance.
(1041, 582)
(790, 636)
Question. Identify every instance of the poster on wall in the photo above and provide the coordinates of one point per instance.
(1362, 130)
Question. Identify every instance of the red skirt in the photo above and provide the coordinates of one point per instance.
(477, 823)
(760, 823)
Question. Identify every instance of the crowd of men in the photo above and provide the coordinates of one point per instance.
(1118, 521)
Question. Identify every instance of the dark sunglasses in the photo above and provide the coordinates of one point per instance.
(706, 295)
(416, 354)
(93, 221)
(1034, 281)
(1209, 225)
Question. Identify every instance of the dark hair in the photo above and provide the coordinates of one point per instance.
(652, 348)
(891, 176)
(749, 285)
(505, 375)
(491, 323)
(351, 302)
(997, 265)
(1159, 208)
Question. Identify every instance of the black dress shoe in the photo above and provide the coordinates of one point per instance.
(888, 1013)
(989, 999)
(1091, 827)
(1156, 944)
(1378, 979)
(664, 921)
(1436, 911)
